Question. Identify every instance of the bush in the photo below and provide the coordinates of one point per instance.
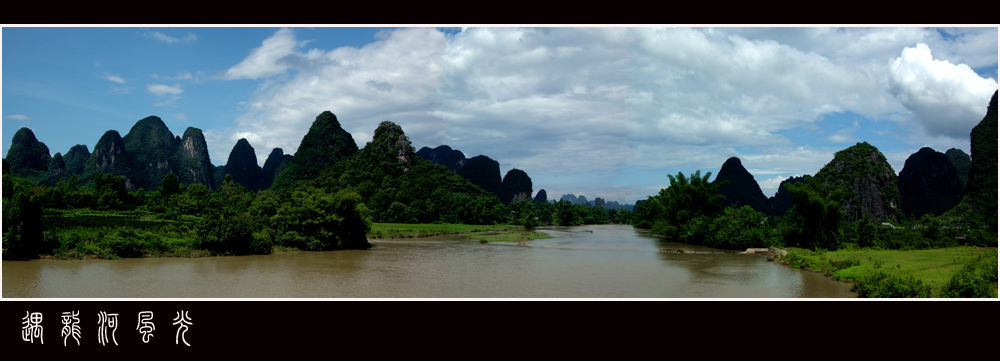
(976, 279)
(740, 228)
(22, 219)
(795, 261)
(883, 285)
(845, 263)
(232, 236)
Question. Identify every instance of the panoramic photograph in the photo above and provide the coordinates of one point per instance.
(500, 162)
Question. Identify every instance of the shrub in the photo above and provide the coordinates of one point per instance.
(845, 263)
(883, 285)
(740, 228)
(976, 279)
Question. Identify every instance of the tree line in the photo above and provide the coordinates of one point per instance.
(334, 211)
(690, 211)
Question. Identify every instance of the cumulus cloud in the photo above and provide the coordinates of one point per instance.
(389, 79)
(946, 99)
(268, 59)
(560, 91)
(711, 88)
(587, 103)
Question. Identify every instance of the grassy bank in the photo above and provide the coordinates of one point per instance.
(85, 234)
(489, 233)
(925, 272)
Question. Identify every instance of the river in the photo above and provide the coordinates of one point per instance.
(600, 261)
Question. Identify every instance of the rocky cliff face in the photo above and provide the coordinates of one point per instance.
(452, 159)
(144, 156)
(516, 186)
(110, 156)
(389, 153)
(56, 166)
(242, 165)
(325, 144)
(742, 188)
(192, 164)
(484, 172)
(928, 183)
(867, 180)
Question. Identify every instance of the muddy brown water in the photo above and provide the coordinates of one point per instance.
(602, 261)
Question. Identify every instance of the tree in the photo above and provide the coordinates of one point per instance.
(523, 214)
(233, 235)
(398, 213)
(688, 206)
(567, 214)
(171, 185)
(22, 219)
(110, 191)
(324, 221)
(814, 219)
(740, 228)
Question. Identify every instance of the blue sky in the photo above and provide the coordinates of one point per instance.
(596, 111)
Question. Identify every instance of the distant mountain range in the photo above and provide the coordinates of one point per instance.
(929, 183)
(482, 171)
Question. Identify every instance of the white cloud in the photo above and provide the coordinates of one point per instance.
(560, 92)
(190, 37)
(114, 78)
(181, 75)
(161, 89)
(945, 98)
(586, 103)
(706, 89)
(166, 94)
(17, 117)
(769, 186)
(268, 59)
(845, 135)
(392, 79)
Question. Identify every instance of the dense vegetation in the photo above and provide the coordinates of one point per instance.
(851, 208)
(326, 144)
(335, 209)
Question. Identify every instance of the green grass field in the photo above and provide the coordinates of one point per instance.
(932, 266)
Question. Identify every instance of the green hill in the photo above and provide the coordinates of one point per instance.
(324, 145)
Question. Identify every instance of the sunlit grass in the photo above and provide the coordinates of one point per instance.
(932, 266)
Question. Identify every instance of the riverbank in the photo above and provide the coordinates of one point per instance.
(927, 272)
(147, 238)
(484, 233)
